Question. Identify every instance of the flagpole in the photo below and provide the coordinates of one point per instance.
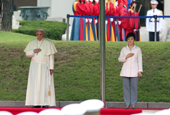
(102, 50)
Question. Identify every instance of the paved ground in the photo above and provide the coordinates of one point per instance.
(109, 104)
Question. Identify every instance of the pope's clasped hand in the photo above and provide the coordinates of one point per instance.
(37, 50)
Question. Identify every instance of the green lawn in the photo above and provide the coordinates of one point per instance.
(8, 37)
(77, 70)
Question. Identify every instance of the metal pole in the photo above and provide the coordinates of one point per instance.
(67, 36)
(155, 16)
(98, 18)
(102, 49)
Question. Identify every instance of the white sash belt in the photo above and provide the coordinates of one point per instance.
(39, 59)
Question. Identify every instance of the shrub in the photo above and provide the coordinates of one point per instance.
(53, 30)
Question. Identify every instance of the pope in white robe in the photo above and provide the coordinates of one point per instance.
(40, 87)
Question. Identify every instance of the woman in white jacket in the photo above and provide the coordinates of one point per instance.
(132, 69)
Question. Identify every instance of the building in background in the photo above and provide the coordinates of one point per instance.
(58, 8)
(19, 3)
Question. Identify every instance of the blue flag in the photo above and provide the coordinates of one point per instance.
(129, 2)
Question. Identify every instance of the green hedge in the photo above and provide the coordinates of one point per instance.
(53, 30)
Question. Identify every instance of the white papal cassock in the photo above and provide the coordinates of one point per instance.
(40, 82)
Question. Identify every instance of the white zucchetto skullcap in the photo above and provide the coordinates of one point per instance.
(40, 29)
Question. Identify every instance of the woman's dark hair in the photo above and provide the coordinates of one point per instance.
(93, 2)
(130, 35)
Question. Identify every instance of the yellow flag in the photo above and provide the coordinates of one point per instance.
(105, 34)
(91, 34)
(112, 35)
(87, 33)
